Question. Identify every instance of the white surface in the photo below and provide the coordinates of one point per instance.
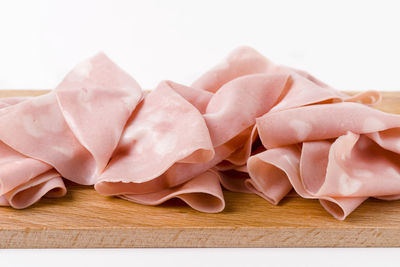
(352, 45)
(201, 257)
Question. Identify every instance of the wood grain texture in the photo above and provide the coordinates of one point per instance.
(83, 218)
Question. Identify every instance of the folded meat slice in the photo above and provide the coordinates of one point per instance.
(313, 123)
(230, 97)
(197, 97)
(164, 133)
(24, 180)
(202, 193)
(227, 121)
(246, 86)
(70, 132)
(358, 167)
(17, 169)
(238, 158)
(48, 184)
(235, 180)
(76, 127)
(237, 104)
(340, 161)
(274, 172)
(96, 99)
(252, 125)
(304, 90)
(240, 62)
(9, 101)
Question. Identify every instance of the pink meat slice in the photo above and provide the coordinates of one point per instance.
(202, 193)
(107, 97)
(305, 89)
(17, 169)
(342, 161)
(240, 77)
(197, 97)
(238, 159)
(248, 124)
(25, 180)
(310, 123)
(224, 135)
(9, 101)
(240, 62)
(243, 91)
(165, 131)
(49, 184)
(235, 180)
(275, 171)
(69, 132)
(301, 90)
(76, 127)
(237, 104)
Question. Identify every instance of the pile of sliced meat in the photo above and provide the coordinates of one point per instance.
(247, 125)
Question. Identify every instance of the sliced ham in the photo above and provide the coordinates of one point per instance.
(70, 132)
(76, 139)
(247, 124)
(107, 97)
(209, 127)
(202, 193)
(48, 184)
(270, 180)
(276, 171)
(165, 152)
(342, 161)
(24, 180)
(311, 123)
(304, 89)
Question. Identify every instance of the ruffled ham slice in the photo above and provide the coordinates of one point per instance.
(202, 193)
(24, 180)
(171, 118)
(166, 129)
(48, 184)
(70, 132)
(165, 152)
(304, 88)
(342, 161)
(248, 124)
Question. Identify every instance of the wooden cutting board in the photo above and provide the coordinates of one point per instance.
(83, 218)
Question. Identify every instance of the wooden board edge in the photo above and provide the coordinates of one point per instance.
(199, 238)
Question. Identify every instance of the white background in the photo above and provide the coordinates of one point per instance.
(352, 45)
(251, 257)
